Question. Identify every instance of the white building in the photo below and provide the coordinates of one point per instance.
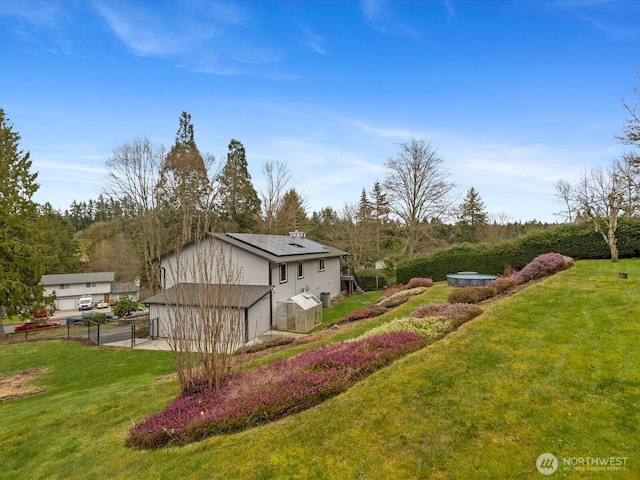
(260, 276)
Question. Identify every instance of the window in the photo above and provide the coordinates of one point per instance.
(65, 286)
(300, 269)
(321, 265)
(91, 284)
(283, 273)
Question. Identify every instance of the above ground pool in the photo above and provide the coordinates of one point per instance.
(469, 279)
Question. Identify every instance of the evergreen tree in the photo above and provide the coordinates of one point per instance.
(365, 208)
(471, 216)
(380, 212)
(238, 205)
(292, 215)
(184, 189)
(62, 249)
(22, 250)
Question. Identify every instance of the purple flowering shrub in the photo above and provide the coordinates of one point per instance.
(449, 311)
(542, 266)
(281, 388)
(372, 311)
(391, 291)
(419, 282)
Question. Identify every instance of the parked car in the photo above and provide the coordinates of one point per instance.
(42, 313)
(35, 325)
(138, 311)
(75, 319)
(102, 304)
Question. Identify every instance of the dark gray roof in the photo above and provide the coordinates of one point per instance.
(69, 278)
(280, 248)
(210, 295)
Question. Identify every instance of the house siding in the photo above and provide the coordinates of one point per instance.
(198, 265)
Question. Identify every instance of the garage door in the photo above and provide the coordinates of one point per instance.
(67, 304)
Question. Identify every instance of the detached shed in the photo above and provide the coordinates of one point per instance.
(206, 302)
(300, 313)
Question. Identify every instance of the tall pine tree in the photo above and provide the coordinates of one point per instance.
(238, 205)
(471, 216)
(184, 190)
(22, 250)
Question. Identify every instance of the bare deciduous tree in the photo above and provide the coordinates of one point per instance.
(132, 176)
(204, 306)
(600, 197)
(564, 195)
(277, 177)
(417, 188)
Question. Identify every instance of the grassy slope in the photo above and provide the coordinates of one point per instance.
(555, 368)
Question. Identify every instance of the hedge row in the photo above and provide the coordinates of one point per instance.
(579, 241)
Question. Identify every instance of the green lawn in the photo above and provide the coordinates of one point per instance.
(554, 368)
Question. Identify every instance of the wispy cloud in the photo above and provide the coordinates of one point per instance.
(381, 16)
(312, 40)
(147, 33)
(40, 24)
(607, 16)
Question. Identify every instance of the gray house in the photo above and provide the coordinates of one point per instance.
(271, 281)
(70, 287)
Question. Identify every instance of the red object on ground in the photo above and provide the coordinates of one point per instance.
(32, 326)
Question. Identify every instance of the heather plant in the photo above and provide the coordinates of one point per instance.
(471, 294)
(542, 266)
(391, 291)
(372, 311)
(390, 301)
(502, 284)
(272, 391)
(419, 282)
(431, 328)
(450, 311)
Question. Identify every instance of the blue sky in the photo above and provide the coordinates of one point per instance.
(514, 94)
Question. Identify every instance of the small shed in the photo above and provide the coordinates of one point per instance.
(300, 313)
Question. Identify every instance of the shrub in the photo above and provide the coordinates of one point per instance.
(449, 311)
(431, 328)
(124, 306)
(542, 266)
(502, 284)
(471, 294)
(272, 391)
(391, 291)
(97, 317)
(372, 311)
(419, 282)
(371, 280)
(398, 297)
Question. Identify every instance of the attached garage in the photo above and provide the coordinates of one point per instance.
(66, 304)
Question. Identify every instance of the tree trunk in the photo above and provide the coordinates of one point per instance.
(3, 336)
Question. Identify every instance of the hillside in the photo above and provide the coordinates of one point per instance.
(554, 369)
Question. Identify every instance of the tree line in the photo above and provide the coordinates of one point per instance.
(156, 199)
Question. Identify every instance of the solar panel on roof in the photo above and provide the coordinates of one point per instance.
(280, 245)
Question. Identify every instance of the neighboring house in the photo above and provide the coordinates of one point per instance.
(70, 287)
(119, 290)
(271, 280)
